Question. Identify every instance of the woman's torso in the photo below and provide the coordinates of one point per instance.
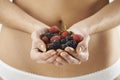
(15, 45)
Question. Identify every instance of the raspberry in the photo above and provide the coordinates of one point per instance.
(54, 29)
(55, 38)
(45, 39)
(77, 38)
(65, 34)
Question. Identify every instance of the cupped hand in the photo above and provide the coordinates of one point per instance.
(38, 50)
(81, 53)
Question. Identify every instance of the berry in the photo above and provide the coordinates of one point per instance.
(54, 29)
(65, 34)
(68, 38)
(55, 34)
(53, 46)
(50, 46)
(63, 46)
(56, 42)
(63, 41)
(72, 43)
(55, 38)
(48, 35)
(45, 39)
(77, 37)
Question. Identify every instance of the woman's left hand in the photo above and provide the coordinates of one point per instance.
(81, 53)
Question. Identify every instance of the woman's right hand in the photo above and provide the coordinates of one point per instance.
(38, 50)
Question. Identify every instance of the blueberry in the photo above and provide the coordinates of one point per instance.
(55, 45)
(68, 38)
(56, 42)
(63, 46)
(63, 41)
(72, 44)
(55, 34)
(48, 35)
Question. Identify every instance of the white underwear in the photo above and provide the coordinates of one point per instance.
(9, 73)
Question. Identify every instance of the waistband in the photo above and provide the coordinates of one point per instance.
(9, 73)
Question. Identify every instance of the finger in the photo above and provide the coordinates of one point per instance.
(48, 54)
(72, 52)
(51, 59)
(34, 54)
(42, 56)
(69, 59)
(59, 51)
(82, 51)
(57, 63)
(38, 43)
(61, 60)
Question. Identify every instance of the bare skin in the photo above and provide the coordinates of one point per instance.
(103, 46)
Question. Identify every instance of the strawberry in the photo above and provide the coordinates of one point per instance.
(55, 38)
(77, 38)
(65, 34)
(45, 39)
(54, 29)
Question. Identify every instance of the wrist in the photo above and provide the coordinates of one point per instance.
(38, 26)
(80, 28)
(85, 26)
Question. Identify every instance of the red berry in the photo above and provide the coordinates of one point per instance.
(65, 34)
(77, 38)
(54, 29)
(45, 39)
(55, 38)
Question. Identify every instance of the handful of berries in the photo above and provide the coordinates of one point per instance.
(57, 39)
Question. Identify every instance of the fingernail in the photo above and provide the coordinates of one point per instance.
(63, 54)
(71, 49)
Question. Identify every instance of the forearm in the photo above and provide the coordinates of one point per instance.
(14, 17)
(107, 18)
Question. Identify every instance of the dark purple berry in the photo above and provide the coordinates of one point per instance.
(48, 35)
(63, 46)
(68, 38)
(56, 42)
(63, 41)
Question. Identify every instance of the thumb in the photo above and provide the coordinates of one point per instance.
(82, 50)
(42, 46)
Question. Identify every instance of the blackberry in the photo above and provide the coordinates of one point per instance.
(68, 38)
(63, 46)
(50, 46)
(69, 43)
(63, 41)
(72, 44)
(48, 35)
(53, 46)
(56, 42)
(55, 34)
